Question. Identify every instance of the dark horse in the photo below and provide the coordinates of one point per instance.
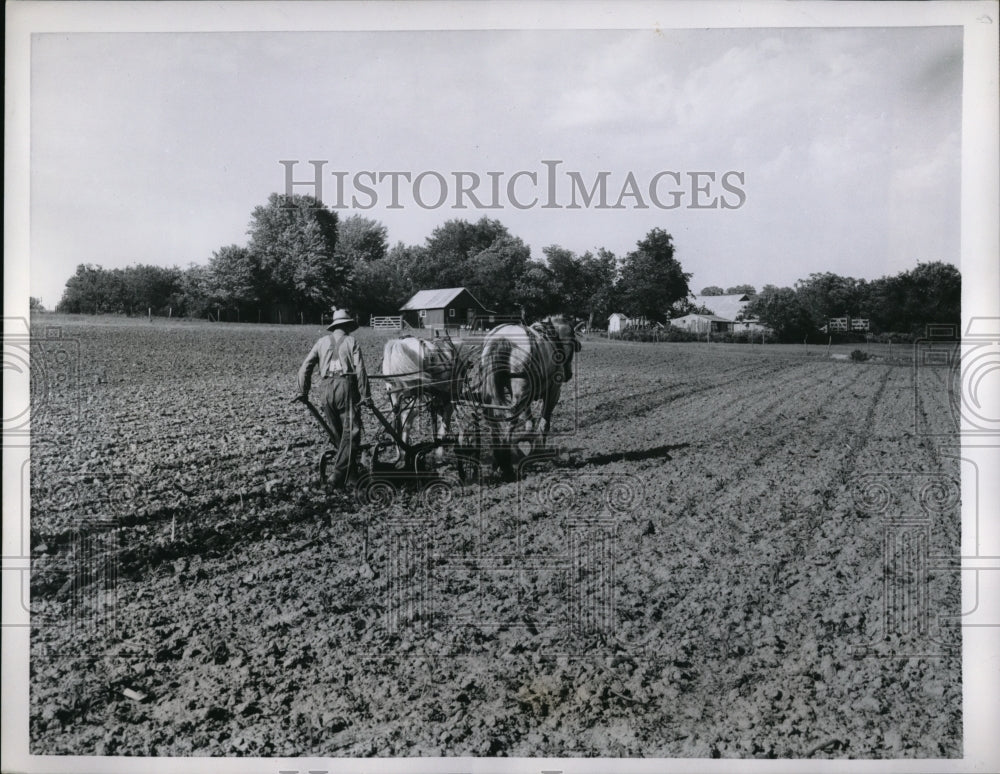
(521, 364)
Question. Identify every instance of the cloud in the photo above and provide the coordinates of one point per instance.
(178, 136)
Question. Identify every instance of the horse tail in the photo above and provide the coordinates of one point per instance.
(498, 370)
(495, 382)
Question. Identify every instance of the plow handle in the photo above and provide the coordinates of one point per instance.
(315, 412)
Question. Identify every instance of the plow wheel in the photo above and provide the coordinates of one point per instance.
(369, 459)
(417, 457)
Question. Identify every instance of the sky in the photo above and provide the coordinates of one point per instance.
(156, 147)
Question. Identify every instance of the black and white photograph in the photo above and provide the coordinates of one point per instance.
(501, 386)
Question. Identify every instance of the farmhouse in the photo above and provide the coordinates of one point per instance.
(442, 308)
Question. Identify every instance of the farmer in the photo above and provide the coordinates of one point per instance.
(345, 385)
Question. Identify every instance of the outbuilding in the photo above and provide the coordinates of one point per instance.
(617, 322)
(702, 323)
(443, 308)
(731, 307)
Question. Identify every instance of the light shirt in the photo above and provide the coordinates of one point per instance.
(334, 360)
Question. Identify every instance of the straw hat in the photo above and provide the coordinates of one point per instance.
(341, 319)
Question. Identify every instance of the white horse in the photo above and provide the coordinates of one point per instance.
(422, 373)
(521, 364)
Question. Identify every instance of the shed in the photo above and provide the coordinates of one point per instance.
(442, 308)
(617, 322)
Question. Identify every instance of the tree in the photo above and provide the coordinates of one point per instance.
(35, 304)
(742, 290)
(712, 290)
(235, 278)
(602, 271)
(145, 287)
(382, 286)
(930, 293)
(89, 291)
(685, 306)
(825, 295)
(293, 243)
(194, 296)
(583, 284)
(536, 291)
(781, 311)
(445, 260)
(361, 240)
(493, 273)
(651, 279)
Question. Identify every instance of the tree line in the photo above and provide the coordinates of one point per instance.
(302, 259)
(903, 304)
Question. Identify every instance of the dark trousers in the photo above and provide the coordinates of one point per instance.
(340, 407)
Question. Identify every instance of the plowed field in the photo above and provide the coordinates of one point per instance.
(740, 551)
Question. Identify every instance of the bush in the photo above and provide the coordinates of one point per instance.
(894, 338)
(657, 334)
(859, 356)
(744, 337)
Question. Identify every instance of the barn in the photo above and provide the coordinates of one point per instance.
(702, 323)
(730, 307)
(726, 306)
(442, 308)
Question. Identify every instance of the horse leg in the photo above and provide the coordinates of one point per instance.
(405, 419)
(441, 419)
(548, 406)
(499, 425)
(396, 408)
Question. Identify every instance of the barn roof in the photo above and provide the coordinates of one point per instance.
(438, 298)
(727, 306)
(713, 317)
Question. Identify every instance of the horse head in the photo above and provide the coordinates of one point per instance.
(563, 335)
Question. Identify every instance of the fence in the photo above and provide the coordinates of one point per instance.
(386, 323)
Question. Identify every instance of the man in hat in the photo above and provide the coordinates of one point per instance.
(345, 385)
